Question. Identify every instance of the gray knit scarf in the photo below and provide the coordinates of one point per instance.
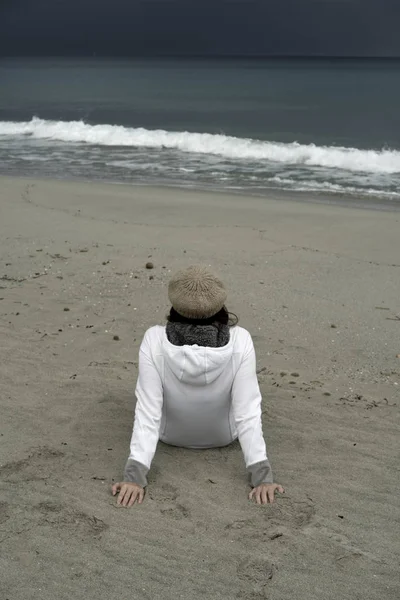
(212, 336)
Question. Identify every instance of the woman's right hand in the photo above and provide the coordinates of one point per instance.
(129, 493)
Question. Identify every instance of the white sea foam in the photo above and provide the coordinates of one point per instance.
(348, 159)
(326, 186)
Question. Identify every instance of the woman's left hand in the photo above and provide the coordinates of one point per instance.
(265, 493)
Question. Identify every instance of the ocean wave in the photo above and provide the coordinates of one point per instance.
(326, 186)
(332, 157)
(137, 166)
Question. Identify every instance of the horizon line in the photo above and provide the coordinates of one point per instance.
(95, 55)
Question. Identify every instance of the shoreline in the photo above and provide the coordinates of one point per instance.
(356, 201)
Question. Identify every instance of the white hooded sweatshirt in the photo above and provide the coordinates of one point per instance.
(197, 397)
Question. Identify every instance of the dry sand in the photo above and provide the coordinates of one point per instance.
(319, 288)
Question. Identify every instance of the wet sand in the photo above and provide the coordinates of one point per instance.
(319, 288)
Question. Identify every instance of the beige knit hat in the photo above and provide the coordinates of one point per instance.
(196, 293)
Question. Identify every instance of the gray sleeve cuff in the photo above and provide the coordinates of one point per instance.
(260, 472)
(135, 472)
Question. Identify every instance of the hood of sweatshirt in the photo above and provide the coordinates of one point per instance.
(197, 365)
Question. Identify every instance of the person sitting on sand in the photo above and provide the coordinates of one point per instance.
(197, 387)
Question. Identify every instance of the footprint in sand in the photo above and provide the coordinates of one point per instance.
(241, 524)
(256, 570)
(68, 518)
(168, 494)
(255, 574)
(270, 521)
(35, 467)
(347, 554)
(290, 513)
(176, 512)
(65, 519)
(164, 493)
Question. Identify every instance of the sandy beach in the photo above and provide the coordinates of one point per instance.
(317, 285)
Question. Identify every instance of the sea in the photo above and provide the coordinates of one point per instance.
(320, 127)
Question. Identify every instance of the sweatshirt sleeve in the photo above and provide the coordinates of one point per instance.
(246, 405)
(149, 395)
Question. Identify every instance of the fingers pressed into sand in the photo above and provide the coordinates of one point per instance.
(122, 494)
(115, 488)
(128, 494)
(133, 498)
(271, 495)
(264, 497)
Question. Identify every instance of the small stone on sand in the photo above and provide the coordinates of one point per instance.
(116, 338)
(149, 265)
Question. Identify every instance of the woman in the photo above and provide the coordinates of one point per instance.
(197, 387)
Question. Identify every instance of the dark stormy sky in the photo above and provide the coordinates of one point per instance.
(200, 27)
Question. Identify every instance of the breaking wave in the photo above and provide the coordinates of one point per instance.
(383, 161)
